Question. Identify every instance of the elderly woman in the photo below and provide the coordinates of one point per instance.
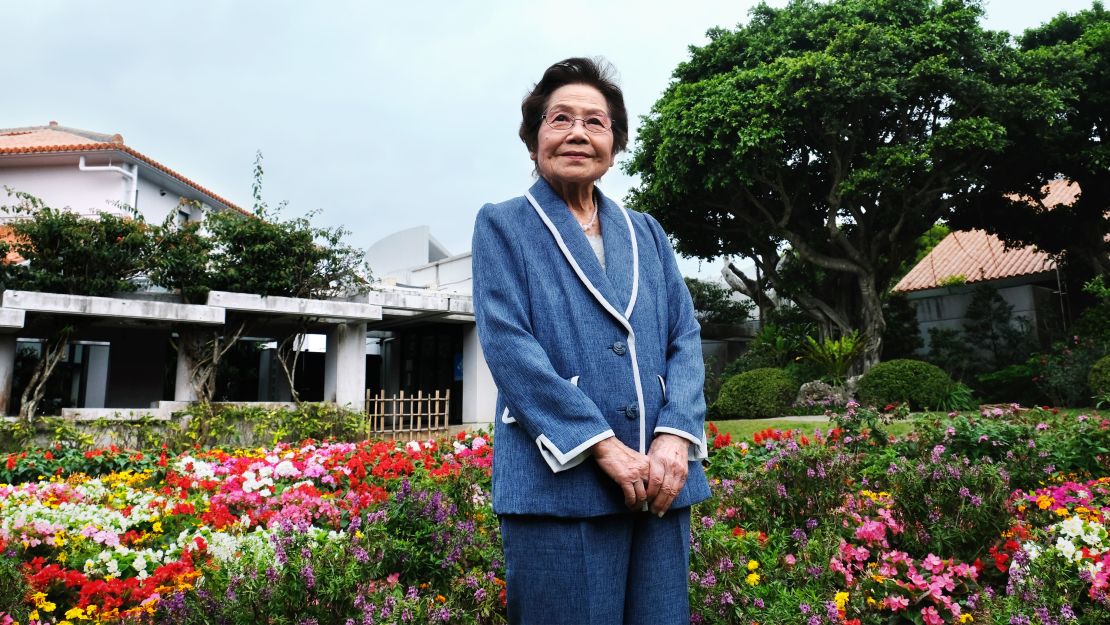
(590, 334)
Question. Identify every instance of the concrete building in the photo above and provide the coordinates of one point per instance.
(414, 331)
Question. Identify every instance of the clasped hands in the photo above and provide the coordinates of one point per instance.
(656, 478)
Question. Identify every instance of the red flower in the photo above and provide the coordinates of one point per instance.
(722, 440)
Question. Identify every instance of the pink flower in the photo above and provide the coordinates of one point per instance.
(871, 532)
(933, 564)
(931, 616)
(897, 602)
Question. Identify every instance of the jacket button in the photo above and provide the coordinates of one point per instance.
(632, 411)
(618, 348)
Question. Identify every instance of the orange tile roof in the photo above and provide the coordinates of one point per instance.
(979, 256)
(57, 139)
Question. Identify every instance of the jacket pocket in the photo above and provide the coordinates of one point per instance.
(507, 418)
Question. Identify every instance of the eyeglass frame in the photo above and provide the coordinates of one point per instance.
(574, 120)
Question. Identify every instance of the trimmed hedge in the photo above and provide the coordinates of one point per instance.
(1099, 378)
(756, 394)
(915, 382)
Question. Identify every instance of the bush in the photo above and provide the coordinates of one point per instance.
(1099, 378)
(754, 394)
(915, 382)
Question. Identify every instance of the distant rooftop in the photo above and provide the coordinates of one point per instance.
(56, 139)
(978, 256)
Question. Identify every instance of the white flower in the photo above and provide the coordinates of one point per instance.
(478, 443)
(1066, 548)
(413, 446)
(139, 564)
(286, 469)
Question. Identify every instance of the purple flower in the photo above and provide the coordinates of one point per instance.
(309, 576)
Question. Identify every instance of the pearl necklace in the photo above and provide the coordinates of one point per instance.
(589, 224)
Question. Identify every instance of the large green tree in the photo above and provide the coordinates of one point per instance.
(840, 131)
(1058, 124)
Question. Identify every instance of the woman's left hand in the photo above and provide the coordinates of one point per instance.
(668, 465)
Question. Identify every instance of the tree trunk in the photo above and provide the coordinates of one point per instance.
(288, 353)
(53, 349)
(874, 324)
(205, 349)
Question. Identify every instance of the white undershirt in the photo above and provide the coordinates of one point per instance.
(599, 247)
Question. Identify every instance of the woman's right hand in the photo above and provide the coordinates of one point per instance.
(627, 467)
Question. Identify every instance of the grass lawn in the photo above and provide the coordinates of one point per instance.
(743, 429)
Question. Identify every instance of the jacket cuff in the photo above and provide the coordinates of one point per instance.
(698, 448)
(560, 461)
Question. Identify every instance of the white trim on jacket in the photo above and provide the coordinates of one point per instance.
(623, 319)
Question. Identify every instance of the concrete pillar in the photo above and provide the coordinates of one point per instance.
(7, 369)
(479, 400)
(182, 388)
(345, 366)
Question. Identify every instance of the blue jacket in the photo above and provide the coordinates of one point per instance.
(580, 353)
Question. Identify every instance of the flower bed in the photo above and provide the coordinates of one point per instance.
(992, 518)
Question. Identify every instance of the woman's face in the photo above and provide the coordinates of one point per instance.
(574, 156)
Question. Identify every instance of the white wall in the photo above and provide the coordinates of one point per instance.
(451, 274)
(90, 192)
(945, 308)
(64, 186)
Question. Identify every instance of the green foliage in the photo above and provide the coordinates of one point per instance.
(181, 258)
(1060, 86)
(950, 505)
(714, 303)
(902, 337)
(14, 589)
(833, 356)
(1062, 373)
(953, 280)
(1099, 378)
(990, 327)
(756, 394)
(30, 464)
(67, 253)
(915, 382)
(867, 117)
(261, 254)
(229, 425)
(1013, 383)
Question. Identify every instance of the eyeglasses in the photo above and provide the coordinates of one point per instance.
(560, 120)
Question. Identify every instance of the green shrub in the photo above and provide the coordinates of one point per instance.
(1099, 378)
(754, 394)
(915, 382)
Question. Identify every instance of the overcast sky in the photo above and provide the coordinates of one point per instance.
(382, 115)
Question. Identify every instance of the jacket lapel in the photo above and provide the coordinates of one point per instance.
(620, 265)
(572, 241)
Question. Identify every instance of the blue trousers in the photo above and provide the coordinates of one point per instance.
(624, 568)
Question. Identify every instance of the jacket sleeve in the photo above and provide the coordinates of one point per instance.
(684, 411)
(563, 421)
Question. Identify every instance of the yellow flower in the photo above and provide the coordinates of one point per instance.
(753, 565)
(157, 527)
(752, 579)
(1044, 502)
(841, 600)
(966, 618)
(76, 613)
(1062, 512)
(871, 602)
